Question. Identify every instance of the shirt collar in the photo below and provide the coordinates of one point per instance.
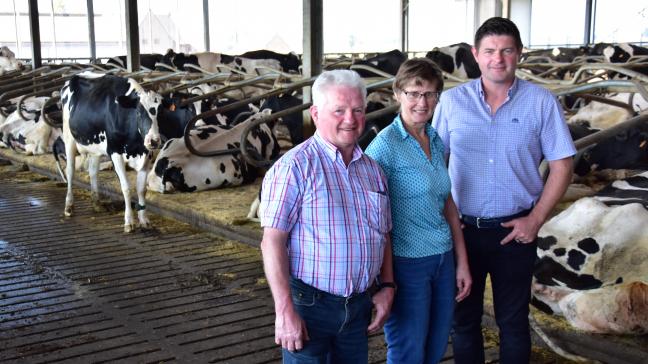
(398, 123)
(511, 91)
(332, 151)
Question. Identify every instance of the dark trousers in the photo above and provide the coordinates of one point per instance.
(337, 326)
(510, 267)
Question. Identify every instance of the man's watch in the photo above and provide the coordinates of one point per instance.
(382, 285)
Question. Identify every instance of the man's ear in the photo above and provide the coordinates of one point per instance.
(474, 51)
(314, 113)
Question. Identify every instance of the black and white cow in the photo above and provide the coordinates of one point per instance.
(8, 61)
(290, 62)
(626, 150)
(456, 59)
(210, 62)
(32, 136)
(622, 52)
(593, 260)
(176, 169)
(111, 116)
(146, 60)
(387, 62)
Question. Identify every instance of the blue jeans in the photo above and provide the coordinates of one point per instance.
(418, 327)
(510, 267)
(337, 326)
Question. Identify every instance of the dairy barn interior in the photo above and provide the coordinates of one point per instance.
(96, 280)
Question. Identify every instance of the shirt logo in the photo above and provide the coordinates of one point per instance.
(515, 121)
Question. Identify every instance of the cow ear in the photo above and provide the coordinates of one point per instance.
(127, 102)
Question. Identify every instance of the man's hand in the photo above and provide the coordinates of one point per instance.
(290, 331)
(382, 301)
(525, 230)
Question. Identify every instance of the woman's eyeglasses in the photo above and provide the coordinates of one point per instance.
(415, 95)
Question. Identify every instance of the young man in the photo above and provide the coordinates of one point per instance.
(496, 130)
(326, 218)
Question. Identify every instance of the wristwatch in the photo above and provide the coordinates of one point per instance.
(386, 284)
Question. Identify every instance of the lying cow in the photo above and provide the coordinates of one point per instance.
(210, 62)
(387, 62)
(290, 62)
(146, 60)
(116, 117)
(32, 136)
(176, 169)
(621, 53)
(456, 59)
(596, 250)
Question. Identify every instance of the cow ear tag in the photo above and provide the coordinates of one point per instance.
(172, 107)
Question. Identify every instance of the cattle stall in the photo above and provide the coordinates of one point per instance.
(195, 208)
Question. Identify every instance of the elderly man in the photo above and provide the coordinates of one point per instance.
(326, 218)
(496, 130)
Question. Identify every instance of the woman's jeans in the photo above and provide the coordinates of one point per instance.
(337, 326)
(510, 268)
(419, 324)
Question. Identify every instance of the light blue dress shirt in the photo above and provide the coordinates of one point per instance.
(494, 159)
(418, 190)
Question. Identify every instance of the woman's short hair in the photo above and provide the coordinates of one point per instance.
(327, 79)
(418, 70)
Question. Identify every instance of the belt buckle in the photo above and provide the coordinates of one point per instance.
(478, 219)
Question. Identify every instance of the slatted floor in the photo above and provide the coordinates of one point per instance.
(79, 290)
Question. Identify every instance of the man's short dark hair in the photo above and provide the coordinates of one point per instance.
(498, 26)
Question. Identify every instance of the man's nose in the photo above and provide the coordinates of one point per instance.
(348, 116)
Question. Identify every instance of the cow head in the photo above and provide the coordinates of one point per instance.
(149, 104)
(292, 63)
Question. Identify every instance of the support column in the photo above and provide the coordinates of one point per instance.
(91, 31)
(132, 36)
(206, 23)
(34, 28)
(313, 56)
(404, 26)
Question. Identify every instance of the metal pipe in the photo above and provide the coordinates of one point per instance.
(46, 117)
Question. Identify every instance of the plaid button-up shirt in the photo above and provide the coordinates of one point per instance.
(336, 215)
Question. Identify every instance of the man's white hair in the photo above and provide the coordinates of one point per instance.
(346, 78)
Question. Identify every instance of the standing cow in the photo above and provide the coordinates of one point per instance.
(116, 117)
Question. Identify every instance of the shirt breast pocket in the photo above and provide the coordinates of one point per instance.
(378, 209)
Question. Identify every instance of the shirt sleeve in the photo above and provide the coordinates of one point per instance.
(555, 139)
(281, 196)
(440, 123)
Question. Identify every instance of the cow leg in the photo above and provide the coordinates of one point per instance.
(120, 168)
(93, 171)
(70, 151)
(253, 214)
(141, 202)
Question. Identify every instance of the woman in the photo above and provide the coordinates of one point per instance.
(426, 234)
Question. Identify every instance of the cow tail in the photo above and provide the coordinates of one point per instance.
(553, 346)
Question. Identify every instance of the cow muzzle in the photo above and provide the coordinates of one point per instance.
(152, 143)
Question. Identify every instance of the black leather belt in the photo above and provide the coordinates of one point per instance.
(491, 222)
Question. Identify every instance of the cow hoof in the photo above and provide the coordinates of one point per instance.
(146, 225)
(68, 211)
(128, 228)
